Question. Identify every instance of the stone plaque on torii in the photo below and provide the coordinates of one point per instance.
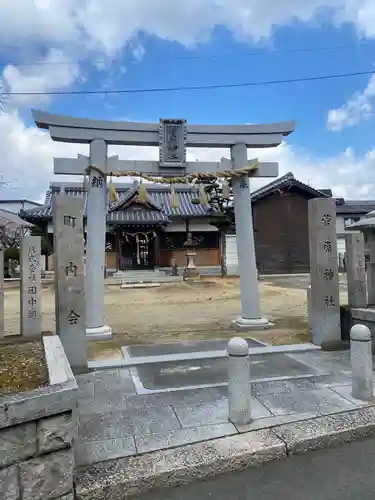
(172, 136)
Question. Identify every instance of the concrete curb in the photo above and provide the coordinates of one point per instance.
(126, 477)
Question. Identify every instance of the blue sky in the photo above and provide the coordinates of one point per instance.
(157, 52)
(223, 60)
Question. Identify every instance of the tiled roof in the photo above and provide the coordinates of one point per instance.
(136, 217)
(127, 199)
(327, 192)
(160, 210)
(366, 222)
(287, 180)
(360, 207)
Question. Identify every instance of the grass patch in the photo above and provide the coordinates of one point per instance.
(22, 367)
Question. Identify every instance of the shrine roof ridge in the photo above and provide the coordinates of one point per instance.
(122, 186)
(286, 181)
(160, 197)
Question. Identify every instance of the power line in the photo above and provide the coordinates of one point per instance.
(192, 57)
(269, 53)
(195, 87)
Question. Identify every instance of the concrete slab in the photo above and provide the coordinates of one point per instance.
(214, 372)
(99, 427)
(112, 401)
(323, 401)
(153, 442)
(135, 475)
(196, 414)
(178, 356)
(327, 431)
(305, 413)
(183, 347)
(346, 392)
(87, 453)
(269, 422)
(106, 380)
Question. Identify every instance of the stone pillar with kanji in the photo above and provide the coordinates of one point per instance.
(70, 279)
(355, 269)
(324, 313)
(30, 286)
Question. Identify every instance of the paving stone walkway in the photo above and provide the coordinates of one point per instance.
(116, 422)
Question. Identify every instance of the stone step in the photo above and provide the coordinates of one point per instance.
(202, 270)
(140, 285)
(138, 274)
(150, 279)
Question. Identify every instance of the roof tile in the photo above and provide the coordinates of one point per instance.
(160, 196)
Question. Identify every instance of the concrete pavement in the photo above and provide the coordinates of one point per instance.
(346, 472)
(130, 443)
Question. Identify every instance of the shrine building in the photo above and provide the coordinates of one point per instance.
(150, 234)
(143, 232)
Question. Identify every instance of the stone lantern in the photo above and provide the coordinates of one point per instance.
(190, 270)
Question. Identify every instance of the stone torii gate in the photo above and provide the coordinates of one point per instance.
(172, 136)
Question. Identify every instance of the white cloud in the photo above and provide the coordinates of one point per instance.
(358, 108)
(93, 29)
(347, 174)
(28, 154)
(47, 77)
(108, 26)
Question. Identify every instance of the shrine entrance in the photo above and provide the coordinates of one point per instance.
(136, 250)
(173, 137)
(136, 253)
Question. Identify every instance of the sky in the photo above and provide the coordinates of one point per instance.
(75, 45)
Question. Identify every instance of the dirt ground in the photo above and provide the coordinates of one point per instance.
(22, 367)
(180, 311)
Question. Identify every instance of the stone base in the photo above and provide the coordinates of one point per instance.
(335, 345)
(243, 324)
(99, 333)
(190, 273)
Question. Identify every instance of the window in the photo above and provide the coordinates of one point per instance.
(350, 220)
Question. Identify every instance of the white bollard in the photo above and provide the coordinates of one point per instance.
(239, 388)
(361, 361)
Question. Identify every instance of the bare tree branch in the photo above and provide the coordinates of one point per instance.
(10, 235)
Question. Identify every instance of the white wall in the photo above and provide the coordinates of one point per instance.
(196, 226)
(341, 248)
(340, 224)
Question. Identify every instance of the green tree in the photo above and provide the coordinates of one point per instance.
(221, 209)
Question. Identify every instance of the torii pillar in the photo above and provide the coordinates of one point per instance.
(172, 136)
(251, 317)
(96, 229)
